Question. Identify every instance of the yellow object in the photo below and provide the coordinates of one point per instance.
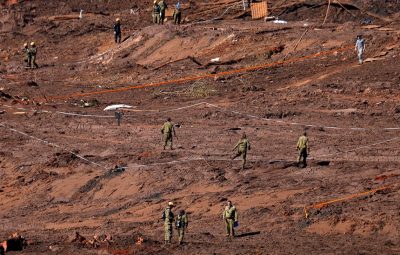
(170, 203)
(25, 44)
(32, 43)
(118, 20)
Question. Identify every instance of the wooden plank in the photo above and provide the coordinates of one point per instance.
(259, 10)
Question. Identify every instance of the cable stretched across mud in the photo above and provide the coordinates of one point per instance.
(204, 76)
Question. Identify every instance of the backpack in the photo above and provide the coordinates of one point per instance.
(180, 223)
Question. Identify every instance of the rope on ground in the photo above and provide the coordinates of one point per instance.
(361, 147)
(225, 110)
(52, 145)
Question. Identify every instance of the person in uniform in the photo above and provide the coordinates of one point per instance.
(242, 147)
(168, 218)
(230, 217)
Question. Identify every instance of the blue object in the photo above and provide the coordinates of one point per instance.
(236, 224)
(178, 5)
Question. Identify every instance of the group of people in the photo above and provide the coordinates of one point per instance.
(242, 146)
(229, 216)
(159, 8)
(30, 55)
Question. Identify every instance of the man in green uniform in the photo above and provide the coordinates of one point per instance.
(168, 218)
(243, 146)
(167, 130)
(230, 217)
(182, 222)
(32, 53)
(163, 7)
(27, 58)
(303, 149)
(156, 13)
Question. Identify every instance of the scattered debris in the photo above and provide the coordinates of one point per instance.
(278, 21)
(32, 84)
(139, 240)
(269, 18)
(15, 242)
(5, 95)
(96, 242)
(215, 60)
(91, 103)
(117, 106)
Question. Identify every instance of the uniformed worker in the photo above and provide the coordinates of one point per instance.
(181, 223)
(27, 58)
(117, 30)
(168, 218)
(168, 131)
(177, 14)
(156, 13)
(230, 217)
(32, 54)
(303, 149)
(163, 7)
(242, 146)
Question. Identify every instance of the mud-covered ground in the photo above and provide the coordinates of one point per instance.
(271, 81)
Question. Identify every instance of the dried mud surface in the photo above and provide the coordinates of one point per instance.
(55, 172)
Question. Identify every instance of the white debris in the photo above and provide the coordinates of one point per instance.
(215, 60)
(81, 14)
(117, 106)
(278, 21)
(230, 36)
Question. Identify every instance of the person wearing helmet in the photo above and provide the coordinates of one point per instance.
(177, 14)
(168, 218)
(117, 30)
(156, 13)
(27, 58)
(32, 53)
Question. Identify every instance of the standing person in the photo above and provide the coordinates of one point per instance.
(117, 30)
(27, 58)
(163, 7)
(177, 14)
(360, 48)
(156, 13)
(168, 131)
(32, 55)
(243, 146)
(168, 218)
(182, 223)
(230, 217)
(303, 149)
